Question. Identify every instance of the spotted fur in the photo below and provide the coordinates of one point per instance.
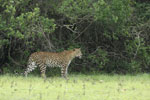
(51, 59)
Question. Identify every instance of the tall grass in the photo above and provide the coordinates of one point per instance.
(77, 87)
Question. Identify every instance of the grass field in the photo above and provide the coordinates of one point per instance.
(77, 87)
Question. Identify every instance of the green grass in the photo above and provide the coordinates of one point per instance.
(77, 87)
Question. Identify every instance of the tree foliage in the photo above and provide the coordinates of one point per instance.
(113, 34)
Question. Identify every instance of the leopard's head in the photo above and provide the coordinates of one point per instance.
(78, 53)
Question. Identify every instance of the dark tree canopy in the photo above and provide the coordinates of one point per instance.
(113, 34)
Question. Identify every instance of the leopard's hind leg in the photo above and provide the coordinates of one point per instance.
(31, 66)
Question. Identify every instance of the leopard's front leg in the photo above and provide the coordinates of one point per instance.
(43, 70)
(64, 71)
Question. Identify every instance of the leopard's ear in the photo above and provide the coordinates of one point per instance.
(74, 49)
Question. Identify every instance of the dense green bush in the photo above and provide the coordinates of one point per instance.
(22, 31)
(113, 34)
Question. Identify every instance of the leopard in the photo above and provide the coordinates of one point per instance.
(52, 59)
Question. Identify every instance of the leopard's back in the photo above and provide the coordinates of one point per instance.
(48, 58)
